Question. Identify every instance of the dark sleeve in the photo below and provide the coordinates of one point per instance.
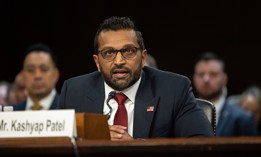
(191, 121)
(61, 104)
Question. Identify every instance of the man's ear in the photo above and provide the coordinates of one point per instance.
(144, 57)
(96, 60)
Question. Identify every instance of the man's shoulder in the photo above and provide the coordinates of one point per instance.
(83, 82)
(86, 77)
(165, 75)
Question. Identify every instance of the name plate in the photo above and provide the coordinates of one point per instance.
(49, 123)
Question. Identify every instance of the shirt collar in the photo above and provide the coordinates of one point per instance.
(220, 102)
(46, 102)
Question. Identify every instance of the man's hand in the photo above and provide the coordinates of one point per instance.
(119, 133)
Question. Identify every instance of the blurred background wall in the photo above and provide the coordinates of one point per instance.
(183, 29)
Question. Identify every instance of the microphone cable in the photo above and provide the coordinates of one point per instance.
(75, 148)
(111, 95)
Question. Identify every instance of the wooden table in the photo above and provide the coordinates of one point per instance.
(178, 147)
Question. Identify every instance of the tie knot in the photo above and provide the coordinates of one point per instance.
(36, 106)
(120, 98)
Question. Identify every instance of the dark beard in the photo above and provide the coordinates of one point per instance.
(129, 82)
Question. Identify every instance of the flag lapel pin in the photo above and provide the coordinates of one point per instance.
(150, 109)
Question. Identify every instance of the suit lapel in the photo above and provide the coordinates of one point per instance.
(93, 101)
(223, 120)
(145, 107)
(143, 117)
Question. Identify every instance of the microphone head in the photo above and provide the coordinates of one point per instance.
(112, 94)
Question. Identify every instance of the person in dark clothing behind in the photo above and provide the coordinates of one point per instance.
(210, 82)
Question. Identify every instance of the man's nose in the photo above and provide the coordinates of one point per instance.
(206, 77)
(119, 59)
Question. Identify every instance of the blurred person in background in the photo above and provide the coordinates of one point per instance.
(251, 102)
(18, 92)
(4, 91)
(40, 73)
(151, 61)
(210, 80)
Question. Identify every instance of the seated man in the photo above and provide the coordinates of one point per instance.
(139, 101)
(210, 82)
(40, 74)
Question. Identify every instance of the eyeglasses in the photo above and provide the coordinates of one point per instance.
(127, 53)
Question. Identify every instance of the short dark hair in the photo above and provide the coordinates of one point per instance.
(43, 48)
(207, 56)
(118, 23)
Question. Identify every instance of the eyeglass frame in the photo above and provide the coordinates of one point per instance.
(115, 52)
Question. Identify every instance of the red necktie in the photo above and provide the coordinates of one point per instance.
(36, 106)
(121, 116)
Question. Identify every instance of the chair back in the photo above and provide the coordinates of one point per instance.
(210, 111)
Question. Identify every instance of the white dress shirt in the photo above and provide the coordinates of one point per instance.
(220, 103)
(129, 104)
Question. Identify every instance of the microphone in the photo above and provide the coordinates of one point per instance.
(111, 95)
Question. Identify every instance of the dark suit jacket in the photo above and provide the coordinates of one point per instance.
(234, 121)
(21, 106)
(175, 111)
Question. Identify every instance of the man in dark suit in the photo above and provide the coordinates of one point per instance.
(210, 82)
(40, 74)
(159, 103)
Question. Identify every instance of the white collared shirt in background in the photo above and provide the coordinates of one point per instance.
(45, 102)
(220, 103)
